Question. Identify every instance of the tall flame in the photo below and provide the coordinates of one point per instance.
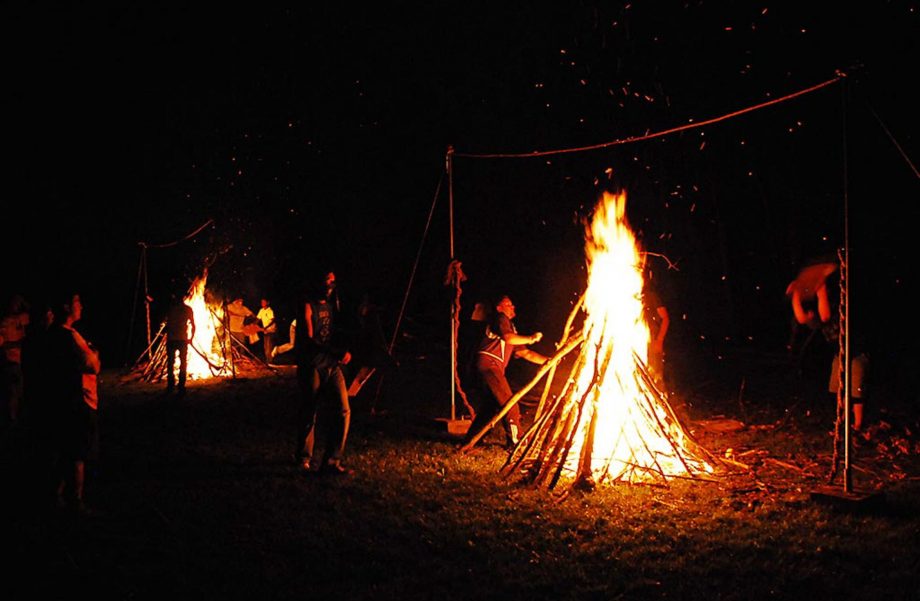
(205, 358)
(633, 436)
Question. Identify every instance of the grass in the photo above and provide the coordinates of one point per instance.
(198, 498)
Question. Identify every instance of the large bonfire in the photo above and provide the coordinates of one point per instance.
(611, 422)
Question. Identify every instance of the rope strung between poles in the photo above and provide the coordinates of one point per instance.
(523, 155)
(188, 237)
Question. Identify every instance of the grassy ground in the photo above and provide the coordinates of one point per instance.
(198, 498)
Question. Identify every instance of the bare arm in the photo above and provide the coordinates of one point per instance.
(824, 305)
(308, 317)
(521, 340)
(531, 356)
(800, 315)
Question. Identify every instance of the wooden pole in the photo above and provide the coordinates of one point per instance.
(146, 297)
(453, 316)
(845, 284)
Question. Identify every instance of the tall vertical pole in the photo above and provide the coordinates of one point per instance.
(453, 330)
(147, 302)
(845, 273)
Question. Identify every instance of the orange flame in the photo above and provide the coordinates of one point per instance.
(205, 358)
(634, 437)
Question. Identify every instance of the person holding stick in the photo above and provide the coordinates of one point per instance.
(499, 343)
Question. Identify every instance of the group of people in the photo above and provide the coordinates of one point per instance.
(320, 349)
(50, 391)
(244, 325)
(248, 326)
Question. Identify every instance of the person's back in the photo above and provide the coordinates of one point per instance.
(178, 320)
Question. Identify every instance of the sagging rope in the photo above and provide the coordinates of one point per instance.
(518, 155)
(188, 237)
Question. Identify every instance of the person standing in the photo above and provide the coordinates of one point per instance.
(499, 343)
(241, 322)
(67, 422)
(812, 307)
(12, 332)
(180, 331)
(266, 317)
(659, 321)
(320, 357)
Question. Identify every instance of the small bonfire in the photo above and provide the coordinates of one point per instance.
(611, 422)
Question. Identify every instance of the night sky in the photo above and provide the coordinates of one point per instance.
(315, 137)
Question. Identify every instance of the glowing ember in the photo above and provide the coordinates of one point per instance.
(205, 358)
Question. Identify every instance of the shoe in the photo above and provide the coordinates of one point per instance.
(513, 437)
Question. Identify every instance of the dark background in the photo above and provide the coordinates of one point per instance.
(315, 137)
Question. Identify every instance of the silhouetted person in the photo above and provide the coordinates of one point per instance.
(65, 420)
(659, 321)
(370, 346)
(320, 357)
(180, 331)
(33, 346)
(813, 308)
(12, 332)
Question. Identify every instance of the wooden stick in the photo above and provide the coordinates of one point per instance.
(539, 422)
(552, 371)
(541, 430)
(571, 345)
